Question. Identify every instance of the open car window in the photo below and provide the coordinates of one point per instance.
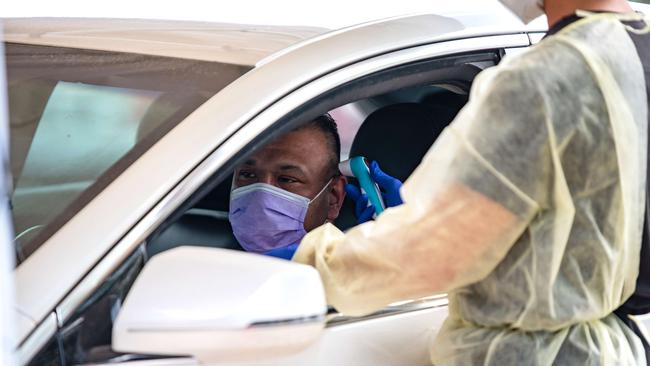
(412, 117)
(394, 121)
(78, 118)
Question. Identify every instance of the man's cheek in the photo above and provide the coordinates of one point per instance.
(316, 215)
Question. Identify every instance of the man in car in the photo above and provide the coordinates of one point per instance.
(289, 187)
(528, 210)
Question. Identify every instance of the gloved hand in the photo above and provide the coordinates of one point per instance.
(389, 187)
(284, 252)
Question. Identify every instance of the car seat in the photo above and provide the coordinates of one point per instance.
(206, 224)
(398, 136)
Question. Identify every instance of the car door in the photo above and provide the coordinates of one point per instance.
(201, 152)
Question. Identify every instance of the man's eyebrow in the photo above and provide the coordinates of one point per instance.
(292, 167)
(250, 162)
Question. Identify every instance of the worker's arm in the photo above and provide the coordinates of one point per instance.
(416, 249)
(464, 207)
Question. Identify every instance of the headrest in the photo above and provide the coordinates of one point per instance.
(399, 135)
(219, 198)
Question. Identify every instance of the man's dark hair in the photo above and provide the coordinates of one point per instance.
(326, 124)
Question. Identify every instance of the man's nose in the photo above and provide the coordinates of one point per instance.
(269, 179)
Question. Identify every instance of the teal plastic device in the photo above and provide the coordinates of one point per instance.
(359, 168)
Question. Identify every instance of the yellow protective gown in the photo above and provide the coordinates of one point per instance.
(528, 210)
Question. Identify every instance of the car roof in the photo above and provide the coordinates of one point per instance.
(241, 44)
(221, 42)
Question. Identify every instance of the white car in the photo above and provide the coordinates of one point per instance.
(124, 134)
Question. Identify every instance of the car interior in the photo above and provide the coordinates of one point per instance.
(392, 117)
(395, 129)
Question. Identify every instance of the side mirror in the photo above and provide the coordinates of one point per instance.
(221, 305)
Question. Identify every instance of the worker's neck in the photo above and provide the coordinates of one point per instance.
(558, 9)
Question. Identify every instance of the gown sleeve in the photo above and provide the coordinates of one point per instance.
(473, 195)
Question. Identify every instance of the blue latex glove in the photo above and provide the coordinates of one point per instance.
(389, 187)
(284, 252)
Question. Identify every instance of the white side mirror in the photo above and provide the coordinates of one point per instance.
(221, 305)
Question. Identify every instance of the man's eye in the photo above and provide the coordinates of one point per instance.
(246, 175)
(287, 180)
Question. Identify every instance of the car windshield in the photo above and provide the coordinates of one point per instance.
(78, 118)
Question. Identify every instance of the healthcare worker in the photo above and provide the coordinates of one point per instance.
(528, 210)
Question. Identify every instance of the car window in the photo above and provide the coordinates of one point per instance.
(421, 111)
(66, 154)
(79, 117)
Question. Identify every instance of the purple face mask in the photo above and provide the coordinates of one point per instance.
(264, 217)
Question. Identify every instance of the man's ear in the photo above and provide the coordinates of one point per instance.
(336, 197)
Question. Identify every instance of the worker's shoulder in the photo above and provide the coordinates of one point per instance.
(526, 76)
(552, 58)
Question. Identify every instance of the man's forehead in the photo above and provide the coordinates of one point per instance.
(301, 147)
(278, 163)
(305, 149)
